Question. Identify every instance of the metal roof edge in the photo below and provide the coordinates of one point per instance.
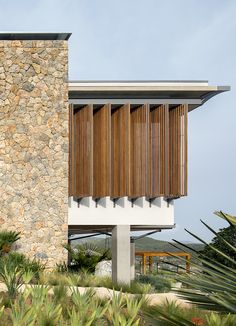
(34, 36)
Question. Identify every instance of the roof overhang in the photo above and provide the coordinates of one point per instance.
(34, 36)
(195, 93)
(85, 229)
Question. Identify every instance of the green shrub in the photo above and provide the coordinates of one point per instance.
(19, 260)
(212, 285)
(62, 268)
(159, 283)
(12, 277)
(86, 256)
(37, 306)
(228, 234)
(7, 238)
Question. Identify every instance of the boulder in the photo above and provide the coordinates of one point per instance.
(103, 268)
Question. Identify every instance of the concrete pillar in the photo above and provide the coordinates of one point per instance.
(121, 254)
(132, 260)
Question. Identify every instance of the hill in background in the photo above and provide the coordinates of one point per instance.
(144, 244)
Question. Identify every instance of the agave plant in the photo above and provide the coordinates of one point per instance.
(22, 314)
(119, 303)
(212, 284)
(13, 278)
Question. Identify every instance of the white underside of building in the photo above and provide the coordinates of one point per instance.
(123, 211)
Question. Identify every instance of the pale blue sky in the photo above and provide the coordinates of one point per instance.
(156, 39)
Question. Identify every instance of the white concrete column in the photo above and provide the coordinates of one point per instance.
(121, 254)
(132, 260)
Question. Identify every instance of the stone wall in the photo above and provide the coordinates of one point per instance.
(34, 146)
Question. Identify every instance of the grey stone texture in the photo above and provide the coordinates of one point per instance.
(34, 146)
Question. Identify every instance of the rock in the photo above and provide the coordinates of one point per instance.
(41, 255)
(104, 268)
(28, 87)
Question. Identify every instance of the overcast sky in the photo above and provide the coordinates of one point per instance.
(157, 40)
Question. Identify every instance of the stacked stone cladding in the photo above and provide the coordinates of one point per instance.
(34, 146)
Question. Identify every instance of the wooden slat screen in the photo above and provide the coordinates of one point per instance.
(138, 151)
(158, 151)
(124, 150)
(83, 146)
(101, 151)
(120, 151)
(178, 151)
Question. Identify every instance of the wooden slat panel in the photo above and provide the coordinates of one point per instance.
(184, 149)
(158, 151)
(119, 151)
(172, 153)
(138, 151)
(71, 152)
(83, 144)
(101, 151)
(178, 151)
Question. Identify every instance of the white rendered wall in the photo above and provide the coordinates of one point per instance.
(104, 212)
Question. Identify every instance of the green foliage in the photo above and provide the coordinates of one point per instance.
(60, 292)
(65, 305)
(86, 279)
(86, 256)
(7, 238)
(216, 320)
(115, 315)
(159, 282)
(226, 234)
(21, 313)
(86, 310)
(229, 218)
(12, 277)
(23, 263)
(38, 306)
(16, 270)
(215, 289)
(171, 313)
(212, 285)
(62, 268)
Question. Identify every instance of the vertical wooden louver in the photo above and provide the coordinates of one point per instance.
(101, 151)
(178, 151)
(158, 151)
(120, 151)
(138, 151)
(127, 150)
(83, 145)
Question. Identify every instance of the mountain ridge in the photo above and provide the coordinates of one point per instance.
(145, 244)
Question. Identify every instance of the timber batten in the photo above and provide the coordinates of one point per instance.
(127, 150)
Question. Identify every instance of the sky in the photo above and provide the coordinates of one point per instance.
(158, 40)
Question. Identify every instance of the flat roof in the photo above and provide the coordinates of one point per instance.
(161, 85)
(194, 92)
(34, 36)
